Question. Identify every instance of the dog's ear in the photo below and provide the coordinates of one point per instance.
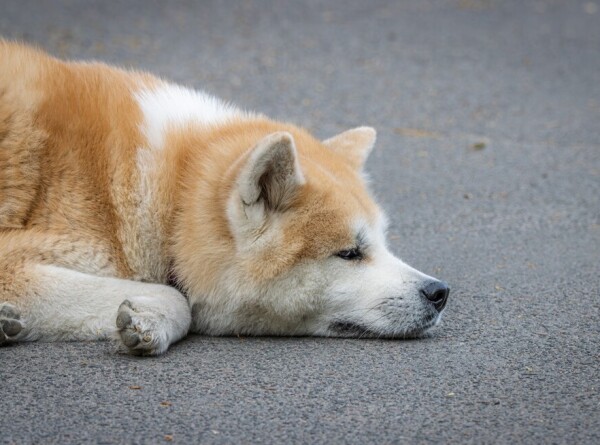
(272, 174)
(355, 144)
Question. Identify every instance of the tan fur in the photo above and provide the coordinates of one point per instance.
(72, 130)
(314, 227)
(79, 122)
(83, 189)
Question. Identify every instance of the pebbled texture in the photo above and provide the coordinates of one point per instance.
(488, 163)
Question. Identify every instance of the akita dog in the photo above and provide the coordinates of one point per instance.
(139, 210)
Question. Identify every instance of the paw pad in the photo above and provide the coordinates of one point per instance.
(135, 330)
(10, 322)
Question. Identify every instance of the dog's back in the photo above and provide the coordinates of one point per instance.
(68, 139)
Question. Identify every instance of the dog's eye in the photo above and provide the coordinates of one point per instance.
(350, 254)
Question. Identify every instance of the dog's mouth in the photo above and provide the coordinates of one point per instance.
(352, 329)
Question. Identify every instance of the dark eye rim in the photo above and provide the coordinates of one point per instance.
(353, 254)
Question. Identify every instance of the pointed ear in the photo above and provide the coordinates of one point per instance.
(355, 144)
(272, 174)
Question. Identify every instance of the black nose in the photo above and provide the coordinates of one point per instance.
(437, 292)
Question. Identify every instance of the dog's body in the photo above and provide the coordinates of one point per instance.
(114, 184)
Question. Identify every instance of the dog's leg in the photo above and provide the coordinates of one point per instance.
(62, 304)
(59, 287)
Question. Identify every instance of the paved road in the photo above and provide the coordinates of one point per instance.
(488, 163)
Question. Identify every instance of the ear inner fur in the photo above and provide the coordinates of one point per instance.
(272, 173)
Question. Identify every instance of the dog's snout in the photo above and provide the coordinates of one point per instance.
(437, 293)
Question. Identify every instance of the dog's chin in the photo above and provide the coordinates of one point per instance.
(351, 329)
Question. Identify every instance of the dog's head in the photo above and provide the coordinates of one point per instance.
(300, 248)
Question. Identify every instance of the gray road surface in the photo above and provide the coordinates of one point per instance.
(488, 163)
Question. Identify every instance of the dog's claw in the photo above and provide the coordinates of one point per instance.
(9, 311)
(123, 319)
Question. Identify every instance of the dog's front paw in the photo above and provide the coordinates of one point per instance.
(11, 324)
(140, 330)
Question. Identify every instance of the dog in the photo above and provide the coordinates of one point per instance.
(138, 210)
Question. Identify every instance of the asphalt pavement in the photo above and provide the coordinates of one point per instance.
(488, 164)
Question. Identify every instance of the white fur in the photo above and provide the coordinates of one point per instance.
(172, 106)
(78, 306)
(381, 295)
